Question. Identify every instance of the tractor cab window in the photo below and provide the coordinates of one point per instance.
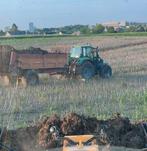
(75, 52)
(87, 51)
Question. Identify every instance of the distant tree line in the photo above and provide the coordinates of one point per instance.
(83, 29)
(13, 30)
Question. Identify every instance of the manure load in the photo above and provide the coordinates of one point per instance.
(48, 133)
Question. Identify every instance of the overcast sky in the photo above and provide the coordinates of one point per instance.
(50, 13)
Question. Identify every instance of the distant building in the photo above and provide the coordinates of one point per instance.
(117, 25)
(60, 33)
(31, 27)
(8, 34)
(77, 33)
(122, 23)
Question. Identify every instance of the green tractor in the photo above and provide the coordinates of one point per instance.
(86, 62)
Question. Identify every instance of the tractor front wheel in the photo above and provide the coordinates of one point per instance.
(87, 70)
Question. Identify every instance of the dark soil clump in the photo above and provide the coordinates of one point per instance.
(117, 131)
(49, 133)
(32, 50)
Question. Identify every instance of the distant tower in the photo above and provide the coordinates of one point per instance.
(31, 27)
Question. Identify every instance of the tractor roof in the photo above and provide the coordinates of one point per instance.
(81, 46)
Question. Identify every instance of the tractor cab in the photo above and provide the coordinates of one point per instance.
(89, 51)
(84, 51)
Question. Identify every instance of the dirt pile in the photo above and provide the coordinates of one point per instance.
(49, 133)
(117, 131)
(73, 124)
(23, 139)
(46, 139)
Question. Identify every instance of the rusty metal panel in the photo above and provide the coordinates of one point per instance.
(30, 61)
(5, 53)
(13, 58)
(55, 60)
(35, 61)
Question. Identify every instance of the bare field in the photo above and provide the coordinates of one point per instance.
(125, 92)
(129, 59)
(64, 43)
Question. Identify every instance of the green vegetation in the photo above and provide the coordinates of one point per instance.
(110, 30)
(75, 36)
(100, 98)
(14, 28)
(75, 29)
(2, 33)
(85, 30)
(98, 29)
(21, 42)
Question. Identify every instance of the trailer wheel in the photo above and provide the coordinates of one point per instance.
(6, 80)
(106, 71)
(32, 77)
(87, 70)
(21, 82)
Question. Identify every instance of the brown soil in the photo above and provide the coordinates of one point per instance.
(117, 131)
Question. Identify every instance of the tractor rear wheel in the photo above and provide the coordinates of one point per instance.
(87, 70)
(106, 71)
(32, 77)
